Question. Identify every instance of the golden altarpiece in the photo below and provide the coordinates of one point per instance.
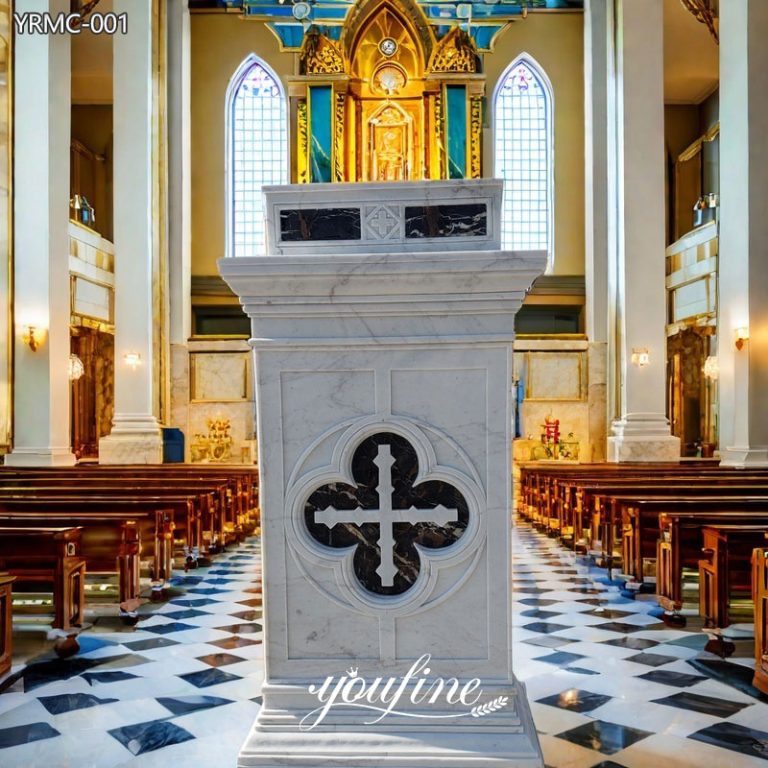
(387, 101)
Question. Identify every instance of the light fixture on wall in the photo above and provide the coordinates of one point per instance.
(711, 368)
(33, 336)
(741, 334)
(132, 359)
(75, 368)
(640, 356)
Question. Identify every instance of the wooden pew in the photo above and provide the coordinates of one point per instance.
(760, 597)
(6, 622)
(106, 533)
(633, 530)
(726, 568)
(680, 544)
(51, 556)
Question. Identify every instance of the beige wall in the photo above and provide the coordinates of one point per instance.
(556, 42)
(221, 41)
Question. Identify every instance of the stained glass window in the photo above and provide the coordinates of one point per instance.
(257, 152)
(523, 156)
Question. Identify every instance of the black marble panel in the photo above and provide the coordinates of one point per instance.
(208, 677)
(364, 536)
(320, 224)
(549, 641)
(635, 643)
(560, 658)
(69, 702)
(446, 221)
(117, 676)
(184, 705)
(576, 700)
(25, 734)
(189, 613)
(667, 677)
(152, 642)
(545, 627)
(605, 737)
(748, 741)
(736, 675)
(147, 737)
(707, 705)
(651, 659)
(167, 629)
(195, 603)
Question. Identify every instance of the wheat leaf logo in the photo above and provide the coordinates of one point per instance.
(489, 707)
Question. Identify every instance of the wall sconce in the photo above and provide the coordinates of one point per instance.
(711, 368)
(640, 357)
(33, 336)
(75, 369)
(741, 335)
(132, 359)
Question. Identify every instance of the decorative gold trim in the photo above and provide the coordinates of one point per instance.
(456, 52)
(475, 136)
(302, 139)
(320, 55)
(339, 106)
(439, 127)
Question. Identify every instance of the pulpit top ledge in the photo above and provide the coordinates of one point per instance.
(356, 260)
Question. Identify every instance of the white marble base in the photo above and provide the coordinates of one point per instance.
(40, 457)
(735, 456)
(453, 743)
(133, 440)
(639, 448)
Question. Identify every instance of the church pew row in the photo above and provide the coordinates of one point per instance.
(240, 501)
(578, 516)
(725, 569)
(633, 529)
(112, 541)
(6, 621)
(52, 557)
(760, 597)
(680, 544)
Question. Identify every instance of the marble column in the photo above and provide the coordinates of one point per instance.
(41, 243)
(641, 432)
(135, 436)
(179, 203)
(599, 215)
(743, 272)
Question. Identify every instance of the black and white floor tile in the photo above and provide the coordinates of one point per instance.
(612, 686)
(609, 685)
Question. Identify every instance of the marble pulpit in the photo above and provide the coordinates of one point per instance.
(382, 320)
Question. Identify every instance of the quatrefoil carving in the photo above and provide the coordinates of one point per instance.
(385, 516)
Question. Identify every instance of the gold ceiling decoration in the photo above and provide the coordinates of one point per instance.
(321, 56)
(707, 12)
(455, 53)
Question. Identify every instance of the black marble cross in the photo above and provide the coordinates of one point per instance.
(385, 515)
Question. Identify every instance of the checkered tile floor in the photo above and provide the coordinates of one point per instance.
(609, 685)
(183, 685)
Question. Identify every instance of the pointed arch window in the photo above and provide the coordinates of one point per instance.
(257, 152)
(523, 144)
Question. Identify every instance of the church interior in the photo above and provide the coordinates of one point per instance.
(571, 362)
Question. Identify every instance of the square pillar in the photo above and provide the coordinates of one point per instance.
(135, 437)
(642, 431)
(42, 105)
(382, 319)
(743, 272)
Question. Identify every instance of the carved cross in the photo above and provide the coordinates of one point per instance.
(385, 516)
(382, 222)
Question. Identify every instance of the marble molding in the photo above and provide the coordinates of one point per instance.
(642, 437)
(406, 345)
(131, 448)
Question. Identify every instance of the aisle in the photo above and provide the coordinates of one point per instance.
(610, 685)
